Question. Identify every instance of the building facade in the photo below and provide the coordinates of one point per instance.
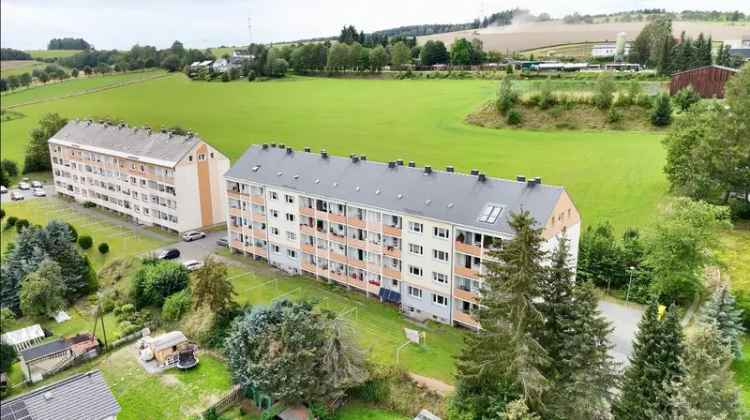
(412, 236)
(608, 50)
(153, 178)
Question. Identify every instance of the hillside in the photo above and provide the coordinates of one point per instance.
(530, 36)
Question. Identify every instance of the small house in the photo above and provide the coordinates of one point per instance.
(24, 338)
(172, 349)
(53, 356)
(708, 81)
(81, 396)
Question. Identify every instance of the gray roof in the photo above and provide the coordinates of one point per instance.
(81, 397)
(46, 349)
(157, 147)
(167, 340)
(453, 197)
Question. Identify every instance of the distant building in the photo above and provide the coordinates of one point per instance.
(708, 81)
(242, 55)
(81, 396)
(608, 49)
(221, 65)
(197, 65)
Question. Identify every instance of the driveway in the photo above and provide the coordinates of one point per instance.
(199, 249)
(624, 320)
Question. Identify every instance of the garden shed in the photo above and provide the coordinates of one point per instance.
(24, 338)
(708, 81)
(173, 349)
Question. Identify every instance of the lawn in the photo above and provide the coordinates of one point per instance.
(52, 53)
(736, 255)
(611, 175)
(122, 242)
(742, 373)
(72, 87)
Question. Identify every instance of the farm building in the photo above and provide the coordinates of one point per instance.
(708, 81)
(24, 338)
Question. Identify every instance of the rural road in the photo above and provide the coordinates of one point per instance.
(624, 320)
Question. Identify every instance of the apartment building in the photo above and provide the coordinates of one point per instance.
(155, 178)
(416, 237)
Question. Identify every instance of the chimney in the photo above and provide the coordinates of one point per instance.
(265, 146)
(363, 157)
(537, 180)
(520, 178)
(481, 177)
(400, 162)
(282, 146)
(273, 144)
(307, 149)
(475, 172)
(530, 183)
(355, 158)
(427, 169)
(391, 164)
(288, 150)
(449, 169)
(412, 164)
(323, 154)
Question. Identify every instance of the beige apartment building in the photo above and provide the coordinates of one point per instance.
(416, 237)
(155, 178)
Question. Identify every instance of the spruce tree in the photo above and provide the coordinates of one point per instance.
(722, 310)
(655, 366)
(504, 360)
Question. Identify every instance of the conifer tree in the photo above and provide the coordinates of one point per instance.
(655, 367)
(708, 390)
(504, 360)
(722, 310)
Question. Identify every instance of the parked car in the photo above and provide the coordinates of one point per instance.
(24, 186)
(193, 235)
(223, 241)
(16, 196)
(3, 190)
(36, 184)
(192, 265)
(169, 254)
(39, 192)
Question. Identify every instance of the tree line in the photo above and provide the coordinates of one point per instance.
(12, 54)
(68, 44)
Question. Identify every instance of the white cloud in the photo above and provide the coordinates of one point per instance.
(29, 24)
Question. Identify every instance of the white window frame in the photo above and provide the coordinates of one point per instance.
(416, 227)
(416, 271)
(437, 229)
(436, 252)
(436, 276)
(435, 302)
(411, 291)
(416, 249)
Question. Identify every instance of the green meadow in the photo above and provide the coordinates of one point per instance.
(611, 175)
(52, 53)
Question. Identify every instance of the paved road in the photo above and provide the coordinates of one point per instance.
(199, 249)
(27, 194)
(624, 319)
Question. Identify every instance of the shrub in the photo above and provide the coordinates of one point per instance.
(154, 282)
(73, 232)
(7, 356)
(604, 91)
(614, 116)
(686, 97)
(225, 77)
(21, 225)
(661, 116)
(85, 242)
(2, 214)
(740, 208)
(546, 98)
(506, 96)
(11, 222)
(644, 101)
(10, 167)
(251, 75)
(176, 305)
(514, 117)
(743, 303)
(89, 204)
(103, 248)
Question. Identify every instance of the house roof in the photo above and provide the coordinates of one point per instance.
(167, 340)
(45, 349)
(84, 396)
(448, 196)
(23, 335)
(160, 148)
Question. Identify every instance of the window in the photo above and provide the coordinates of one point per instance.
(274, 195)
(394, 283)
(289, 199)
(290, 217)
(440, 233)
(291, 253)
(416, 249)
(291, 236)
(440, 278)
(490, 213)
(439, 300)
(276, 249)
(275, 231)
(415, 292)
(201, 156)
(212, 155)
(416, 227)
(440, 255)
(274, 213)
(415, 271)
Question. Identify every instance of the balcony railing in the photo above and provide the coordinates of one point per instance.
(359, 223)
(258, 199)
(392, 252)
(466, 319)
(465, 295)
(467, 272)
(357, 263)
(337, 218)
(469, 249)
(392, 231)
(391, 272)
(307, 211)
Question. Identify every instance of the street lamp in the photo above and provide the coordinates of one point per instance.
(630, 282)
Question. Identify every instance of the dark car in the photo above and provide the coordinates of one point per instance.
(169, 254)
(223, 241)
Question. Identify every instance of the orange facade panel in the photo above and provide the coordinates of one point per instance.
(308, 267)
(310, 249)
(358, 223)
(307, 230)
(468, 249)
(356, 243)
(338, 257)
(465, 295)
(307, 211)
(391, 273)
(357, 263)
(392, 231)
(258, 199)
(465, 319)
(467, 272)
(392, 252)
(337, 218)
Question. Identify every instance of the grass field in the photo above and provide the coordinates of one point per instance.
(72, 87)
(736, 255)
(611, 175)
(379, 327)
(742, 373)
(52, 53)
(122, 242)
(581, 49)
(16, 67)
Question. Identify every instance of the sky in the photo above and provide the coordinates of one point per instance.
(108, 24)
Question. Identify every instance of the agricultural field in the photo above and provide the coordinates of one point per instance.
(611, 175)
(41, 54)
(578, 49)
(16, 67)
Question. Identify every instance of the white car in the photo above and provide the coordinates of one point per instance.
(192, 235)
(39, 192)
(3, 190)
(192, 265)
(24, 186)
(36, 184)
(16, 196)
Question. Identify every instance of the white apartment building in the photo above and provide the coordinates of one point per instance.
(608, 50)
(415, 237)
(154, 178)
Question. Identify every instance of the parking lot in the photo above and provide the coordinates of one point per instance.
(26, 194)
(198, 249)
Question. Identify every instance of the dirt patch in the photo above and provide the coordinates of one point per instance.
(14, 64)
(432, 384)
(170, 380)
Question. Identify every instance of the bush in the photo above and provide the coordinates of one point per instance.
(251, 76)
(614, 116)
(10, 167)
(2, 214)
(7, 356)
(604, 91)
(740, 208)
(644, 101)
(154, 282)
(743, 303)
(73, 233)
(661, 116)
(225, 77)
(279, 67)
(21, 225)
(514, 117)
(85, 242)
(506, 96)
(546, 98)
(103, 248)
(686, 97)
(89, 204)
(11, 222)
(176, 305)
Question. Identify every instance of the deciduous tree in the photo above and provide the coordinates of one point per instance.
(211, 286)
(37, 151)
(42, 291)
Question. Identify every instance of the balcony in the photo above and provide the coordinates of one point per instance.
(307, 230)
(339, 277)
(337, 218)
(235, 211)
(238, 245)
(356, 243)
(236, 194)
(465, 295)
(337, 238)
(373, 268)
(391, 272)
(307, 211)
(392, 252)
(259, 233)
(392, 231)
(261, 252)
(259, 217)
(309, 248)
(258, 199)
(306, 266)
(321, 234)
(374, 248)
(465, 319)
(469, 249)
(338, 257)
(356, 263)
(359, 223)
(467, 272)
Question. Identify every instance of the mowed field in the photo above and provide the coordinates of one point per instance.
(52, 53)
(611, 175)
(16, 67)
